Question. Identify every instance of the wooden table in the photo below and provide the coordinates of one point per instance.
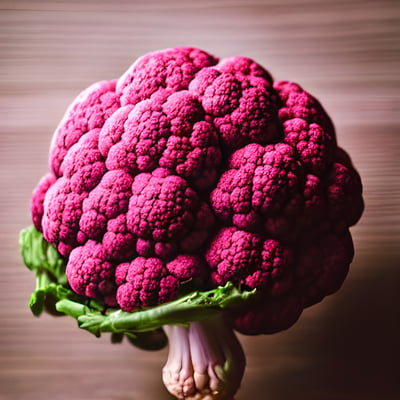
(347, 53)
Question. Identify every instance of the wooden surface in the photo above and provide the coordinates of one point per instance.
(347, 53)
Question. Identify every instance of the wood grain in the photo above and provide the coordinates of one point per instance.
(347, 53)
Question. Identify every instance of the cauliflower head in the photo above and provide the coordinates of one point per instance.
(189, 170)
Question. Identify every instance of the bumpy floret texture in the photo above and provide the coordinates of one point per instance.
(189, 169)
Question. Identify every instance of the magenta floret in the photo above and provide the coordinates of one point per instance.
(106, 201)
(249, 261)
(188, 169)
(83, 165)
(144, 282)
(261, 182)
(313, 146)
(172, 69)
(150, 281)
(240, 101)
(143, 140)
(88, 111)
(62, 213)
(119, 243)
(297, 103)
(90, 274)
(38, 195)
(165, 211)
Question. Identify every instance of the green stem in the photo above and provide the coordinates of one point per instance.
(193, 307)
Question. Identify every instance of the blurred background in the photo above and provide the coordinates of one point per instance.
(346, 53)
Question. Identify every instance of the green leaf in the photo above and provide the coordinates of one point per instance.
(40, 256)
(192, 307)
(36, 302)
(72, 308)
(49, 267)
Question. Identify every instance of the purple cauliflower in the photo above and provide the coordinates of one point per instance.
(191, 170)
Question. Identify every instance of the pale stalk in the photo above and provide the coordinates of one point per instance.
(205, 361)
